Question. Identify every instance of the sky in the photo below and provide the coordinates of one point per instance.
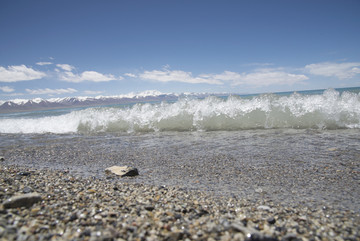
(64, 48)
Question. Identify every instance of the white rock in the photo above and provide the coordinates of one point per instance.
(264, 207)
(122, 171)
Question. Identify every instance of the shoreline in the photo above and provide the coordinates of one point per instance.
(92, 208)
(290, 167)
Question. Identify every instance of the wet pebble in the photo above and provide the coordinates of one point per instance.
(27, 189)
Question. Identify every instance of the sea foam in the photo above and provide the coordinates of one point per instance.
(330, 110)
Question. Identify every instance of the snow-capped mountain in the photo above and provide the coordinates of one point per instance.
(18, 105)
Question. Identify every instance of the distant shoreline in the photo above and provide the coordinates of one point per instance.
(86, 102)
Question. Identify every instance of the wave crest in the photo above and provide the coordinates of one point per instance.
(330, 110)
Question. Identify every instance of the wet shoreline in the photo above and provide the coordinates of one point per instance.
(252, 185)
(291, 167)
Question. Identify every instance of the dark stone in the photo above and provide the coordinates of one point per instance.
(131, 229)
(25, 200)
(27, 190)
(255, 237)
(85, 233)
(24, 174)
(11, 229)
(73, 217)
(202, 212)
(48, 236)
(291, 237)
(265, 238)
(149, 208)
(280, 229)
(259, 237)
(3, 211)
(8, 181)
(271, 220)
(131, 173)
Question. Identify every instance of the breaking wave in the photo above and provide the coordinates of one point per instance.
(330, 110)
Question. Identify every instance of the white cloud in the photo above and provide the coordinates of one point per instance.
(130, 75)
(259, 64)
(48, 91)
(43, 63)
(6, 89)
(225, 76)
(87, 76)
(266, 77)
(93, 92)
(66, 73)
(178, 76)
(17, 73)
(339, 70)
(261, 77)
(66, 67)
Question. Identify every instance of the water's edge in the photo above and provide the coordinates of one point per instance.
(288, 166)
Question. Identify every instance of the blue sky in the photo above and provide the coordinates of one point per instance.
(87, 48)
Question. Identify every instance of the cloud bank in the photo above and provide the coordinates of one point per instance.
(17, 73)
(254, 78)
(330, 69)
(48, 91)
(66, 67)
(267, 77)
(44, 63)
(261, 77)
(130, 75)
(177, 76)
(87, 76)
(6, 89)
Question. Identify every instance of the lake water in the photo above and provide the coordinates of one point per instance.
(295, 148)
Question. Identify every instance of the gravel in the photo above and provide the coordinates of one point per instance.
(92, 208)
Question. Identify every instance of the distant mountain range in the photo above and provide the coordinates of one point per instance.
(21, 105)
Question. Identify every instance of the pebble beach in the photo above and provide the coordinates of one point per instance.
(248, 185)
(75, 208)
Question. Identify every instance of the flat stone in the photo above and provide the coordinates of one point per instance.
(264, 208)
(25, 174)
(25, 200)
(122, 171)
(149, 208)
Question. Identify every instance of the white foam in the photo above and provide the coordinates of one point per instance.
(329, 110)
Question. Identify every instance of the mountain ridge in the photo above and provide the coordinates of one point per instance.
(23, 105)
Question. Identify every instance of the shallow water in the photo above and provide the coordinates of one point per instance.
(296, 167)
